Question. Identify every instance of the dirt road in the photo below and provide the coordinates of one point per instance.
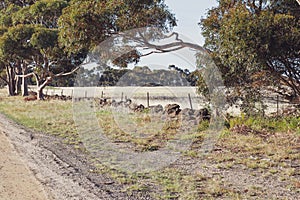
(34, 165)
(16, 180)
(37, 166)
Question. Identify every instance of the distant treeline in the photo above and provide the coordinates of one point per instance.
(144, 76)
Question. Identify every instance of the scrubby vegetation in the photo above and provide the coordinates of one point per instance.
(254, 44)
(254, 157)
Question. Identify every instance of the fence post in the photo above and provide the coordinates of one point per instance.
(190, 100)
(277, 105)
(102, 94)
(122, 96)
(62, 92)
(85, 94)
(148, 100)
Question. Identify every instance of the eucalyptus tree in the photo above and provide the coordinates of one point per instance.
(255, 43)
(29, 46)
(14, 50)
(84, 24)
(61, 32)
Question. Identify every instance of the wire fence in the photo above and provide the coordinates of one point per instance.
(186, 97)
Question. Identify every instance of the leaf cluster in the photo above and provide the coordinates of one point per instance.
(255, 44)
(61, 32)
(85, 24)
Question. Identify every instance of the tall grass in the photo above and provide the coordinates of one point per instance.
(270, 124)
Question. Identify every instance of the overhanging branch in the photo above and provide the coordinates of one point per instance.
(67, 73)
(164, 48)
(26, 75)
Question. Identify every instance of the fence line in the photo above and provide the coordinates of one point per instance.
(274, 103)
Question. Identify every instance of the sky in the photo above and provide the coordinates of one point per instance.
(188, 14)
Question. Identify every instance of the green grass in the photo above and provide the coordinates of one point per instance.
(53, 117)
(266, 149)
(270, 124)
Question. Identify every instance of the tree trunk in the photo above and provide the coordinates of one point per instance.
(24, 80)
(17, 85)
(24, 87)
(18, 71)
(11, 81)
(40, 95)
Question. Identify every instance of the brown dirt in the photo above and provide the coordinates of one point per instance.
(34, 165)
(37, 166)
(17, 181)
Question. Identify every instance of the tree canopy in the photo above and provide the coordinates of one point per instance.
(48, 39)
(84, 24)
(255, 43)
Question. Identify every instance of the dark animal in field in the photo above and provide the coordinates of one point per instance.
(30, 98)
(172, 110)
(137, 107)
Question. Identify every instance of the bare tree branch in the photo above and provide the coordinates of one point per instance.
(48, 80)
(67, 73)
(172, 46)
(4, 79)
(147, 54)
(26, 75)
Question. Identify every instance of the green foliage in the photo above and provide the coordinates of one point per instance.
(255, 43)
(44, 38)
(144, 76)
(2, 31)
(85, 24)
(6, 15)
(31, 39)
(54, 36)
(43, 12)
(203, 125)
(253, 102)
(14, 43)
(287, 124)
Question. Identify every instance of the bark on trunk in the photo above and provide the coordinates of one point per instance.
(11, 81)
(40, 95)
(24, 80)
(18, 71)
(24, 87)
(17, 85)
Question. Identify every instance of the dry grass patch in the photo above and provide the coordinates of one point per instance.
(255, 149)
(54, 117)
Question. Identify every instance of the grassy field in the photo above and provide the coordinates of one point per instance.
(255, 158)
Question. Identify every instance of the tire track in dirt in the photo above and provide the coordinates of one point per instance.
(16, 180)
(64, 172)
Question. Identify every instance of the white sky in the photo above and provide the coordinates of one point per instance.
(188, 14)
